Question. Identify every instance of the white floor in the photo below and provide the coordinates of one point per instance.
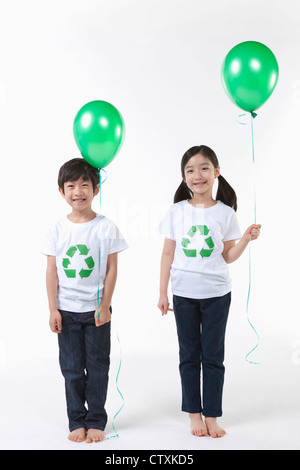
(261, 407)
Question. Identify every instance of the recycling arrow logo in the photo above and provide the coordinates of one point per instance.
(81, 250)
(186, 241)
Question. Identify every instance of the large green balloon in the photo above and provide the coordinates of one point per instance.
(249, 74)
(99, 131)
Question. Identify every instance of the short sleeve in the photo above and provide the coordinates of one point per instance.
(115, 239)
(166, 226)
(49, 243)
(117, 245)
(233, 231)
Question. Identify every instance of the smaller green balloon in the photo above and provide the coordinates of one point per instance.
(249, 74)
(99, 132)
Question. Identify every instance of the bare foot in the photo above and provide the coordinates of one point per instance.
(94, 435)
(77, 435)
(198, 428)
(214, 430)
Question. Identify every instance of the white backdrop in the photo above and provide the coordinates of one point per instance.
(158, 62)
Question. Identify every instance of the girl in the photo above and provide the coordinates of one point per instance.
(200, 241)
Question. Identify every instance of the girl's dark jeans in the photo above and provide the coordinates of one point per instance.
(201, 326)
(84, 357)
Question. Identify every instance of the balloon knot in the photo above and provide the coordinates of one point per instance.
(253, 114)
(99, 173)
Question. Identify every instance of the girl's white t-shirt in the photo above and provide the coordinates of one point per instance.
(199, 270)
(76, 248)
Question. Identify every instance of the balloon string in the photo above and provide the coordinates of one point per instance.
(99, 257)
(117, 378)
(253, 115)
(98, 303)
(247, 311)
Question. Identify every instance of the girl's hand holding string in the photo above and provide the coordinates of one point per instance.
(232, 250)
(252, 232)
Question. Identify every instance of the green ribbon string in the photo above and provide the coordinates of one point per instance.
(253, 116)
(117, 378)
(98, 304)
(99, 260)
(99, 257)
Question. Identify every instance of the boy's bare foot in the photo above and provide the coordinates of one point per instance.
(94, 435)
(77, 435)
(214, 430)
(198, 428)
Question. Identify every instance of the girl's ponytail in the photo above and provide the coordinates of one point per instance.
(182, 193)
(226, 193)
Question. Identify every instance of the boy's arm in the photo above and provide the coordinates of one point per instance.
(52, 285)
(232, 251)
(166, 262)
(109, 286)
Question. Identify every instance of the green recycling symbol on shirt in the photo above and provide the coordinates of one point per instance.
(192, 253)
(89, 262)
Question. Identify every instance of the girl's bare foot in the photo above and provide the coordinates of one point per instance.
(198, 428)
(94, 435)
(214, 430)
(77, 435)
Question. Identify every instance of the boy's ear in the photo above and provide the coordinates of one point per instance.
(61, 192)
(97, 190)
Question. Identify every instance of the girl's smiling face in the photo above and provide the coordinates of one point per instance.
(200, 174)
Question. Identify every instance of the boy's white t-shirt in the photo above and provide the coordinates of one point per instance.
(199, 270)
(76, 248)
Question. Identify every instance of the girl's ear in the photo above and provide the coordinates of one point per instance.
(217, 172)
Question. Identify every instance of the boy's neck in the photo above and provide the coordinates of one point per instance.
(80, 217)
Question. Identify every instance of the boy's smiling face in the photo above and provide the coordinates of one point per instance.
(79, 194)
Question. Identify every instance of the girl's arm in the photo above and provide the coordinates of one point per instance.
(166, 262)
(52, 285)
(232, 251)
(104, 315)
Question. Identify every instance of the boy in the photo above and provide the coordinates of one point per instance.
(75, 245)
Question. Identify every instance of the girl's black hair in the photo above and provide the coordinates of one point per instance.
(225, 192)
(75, 169)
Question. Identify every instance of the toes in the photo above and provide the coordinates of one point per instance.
(94, 436)
(215, 434)
(199, 432)
(76, 436)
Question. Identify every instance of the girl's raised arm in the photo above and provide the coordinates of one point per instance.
(232, 251)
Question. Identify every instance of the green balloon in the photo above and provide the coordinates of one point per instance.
(249, 74)
(99, 131)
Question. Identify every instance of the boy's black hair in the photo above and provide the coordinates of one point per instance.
(75, 169)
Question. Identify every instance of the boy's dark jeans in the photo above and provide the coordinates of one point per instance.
(201, 326)
(84, 357)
